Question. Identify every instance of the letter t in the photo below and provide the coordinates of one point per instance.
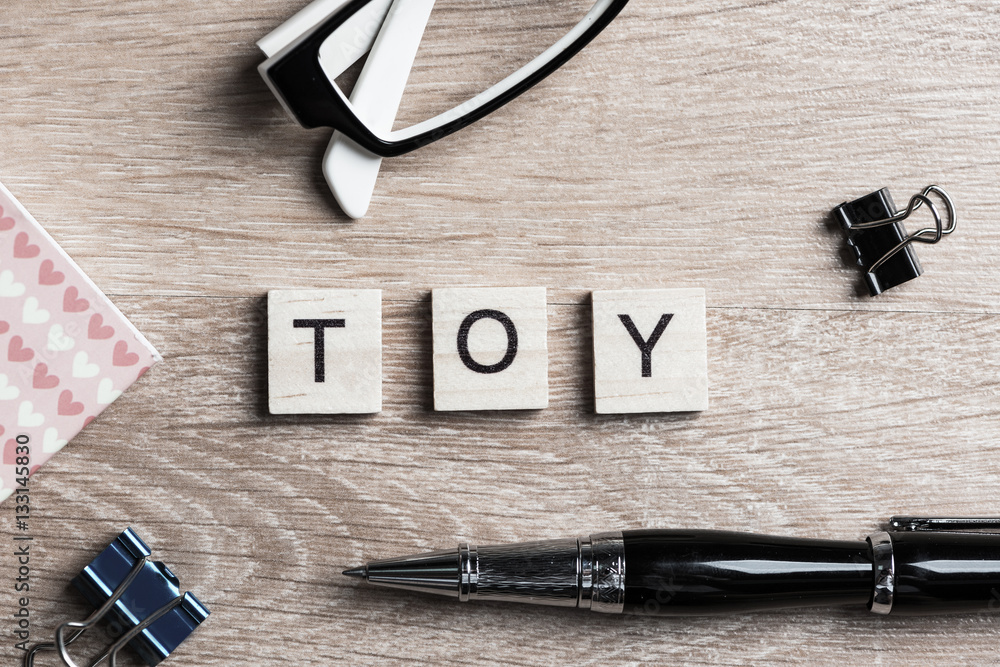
(319, 328)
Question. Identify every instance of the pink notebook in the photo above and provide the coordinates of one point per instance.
(66, 352)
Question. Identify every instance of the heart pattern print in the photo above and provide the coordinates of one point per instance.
(66, 352)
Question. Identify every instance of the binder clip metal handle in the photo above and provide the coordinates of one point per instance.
(125, 600)
(929, 235)
(879, 240)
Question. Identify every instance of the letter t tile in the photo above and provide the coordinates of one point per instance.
(650, 351)
(324, 351)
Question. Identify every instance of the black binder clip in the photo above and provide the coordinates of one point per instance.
(879, 240)
(141, 600)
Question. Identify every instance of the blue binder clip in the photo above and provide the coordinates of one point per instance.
(139, 597)
(876, 235)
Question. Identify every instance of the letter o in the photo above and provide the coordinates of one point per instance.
(463, 341)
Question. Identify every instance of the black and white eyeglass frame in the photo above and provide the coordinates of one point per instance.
(297, 78)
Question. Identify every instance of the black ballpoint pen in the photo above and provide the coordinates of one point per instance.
(914, 566)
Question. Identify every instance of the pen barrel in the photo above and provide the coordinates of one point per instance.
(937, 572)
(691, 572)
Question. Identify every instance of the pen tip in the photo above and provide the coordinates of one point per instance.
(360, 572)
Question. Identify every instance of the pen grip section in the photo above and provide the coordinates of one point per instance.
(689, 572)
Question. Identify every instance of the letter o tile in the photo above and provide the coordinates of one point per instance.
(490, 349)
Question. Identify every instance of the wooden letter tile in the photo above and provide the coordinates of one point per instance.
(490, 349)
(324, 351)
(650, 351)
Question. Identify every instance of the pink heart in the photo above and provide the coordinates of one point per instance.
(71, 304)
(23, 249)
(86, 422)
(5, 223)
(4, 327)
(42, 379)
(10, 453)
(142, 372)
(67, 407)
(97, 332)
(48, 276)
(123, 357)
(17, 352)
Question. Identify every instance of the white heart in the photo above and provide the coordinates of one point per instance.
(32, 314)
(27, 417)
(58, 340)
(7, 285)
(7, 392)
(106, 392)
(82, 369)
(51, 442)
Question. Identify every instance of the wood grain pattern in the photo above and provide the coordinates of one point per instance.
(691, 145)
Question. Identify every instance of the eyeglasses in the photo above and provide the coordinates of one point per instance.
(304, 63)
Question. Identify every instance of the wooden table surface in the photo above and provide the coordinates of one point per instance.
(693, 144)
